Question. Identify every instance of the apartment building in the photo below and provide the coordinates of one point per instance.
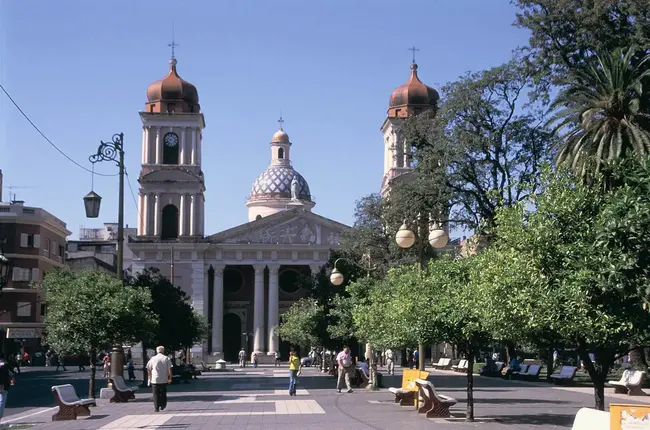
(96, 248)
(34, 241)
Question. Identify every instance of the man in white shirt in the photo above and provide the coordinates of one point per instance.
(160, 374)
(390, 361)
(242, 358)
(344, 359)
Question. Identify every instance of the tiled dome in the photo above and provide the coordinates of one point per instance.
(275, 182)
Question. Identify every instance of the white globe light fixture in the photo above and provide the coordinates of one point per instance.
(336, 277)
(405, 238)
(438, 238)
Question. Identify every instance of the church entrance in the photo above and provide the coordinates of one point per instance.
(231, 337)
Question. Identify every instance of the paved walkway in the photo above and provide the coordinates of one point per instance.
(258, 399)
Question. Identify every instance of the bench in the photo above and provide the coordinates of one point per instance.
(122, 392)
(70, 405)
(495, 371)
(462, 365)
(591, 419)
(443, 363)
(566, 375)
(532, 372)
(434, 405)
(630, 383)
(405, 395)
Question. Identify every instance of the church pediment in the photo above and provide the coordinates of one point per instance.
(164, 175)
(292, 227)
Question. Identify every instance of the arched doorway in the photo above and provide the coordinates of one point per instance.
(169, 222)
(231, 337)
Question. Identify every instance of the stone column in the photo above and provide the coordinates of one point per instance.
(193, 155)
(182, 231)
(217, 313)
(145, 210)
(258, 311)
(141, 219)
(147, 145)
(144, 145)
(192, 215)
(274, 310)
(181, 158)
(156, 215)
(158, 147)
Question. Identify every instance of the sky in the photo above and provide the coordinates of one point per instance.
(80, 70)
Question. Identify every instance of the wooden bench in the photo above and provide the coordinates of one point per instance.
(532, 372)
(566, 375)
(434, 404)
(442, 364)
(591, 419)
(70, 405)
(630, 383)
(405, 395)
(462, 365)
(122, 392)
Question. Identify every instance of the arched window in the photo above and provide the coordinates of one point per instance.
(281, 153)
(170, 148)
(169, 222)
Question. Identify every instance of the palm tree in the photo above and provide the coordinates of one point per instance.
(599, 116)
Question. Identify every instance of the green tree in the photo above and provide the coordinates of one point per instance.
(489, 139)
(576, 265)
(90, 310)
(179, 325)
(300, 323)
(598, 113)
(566, 34)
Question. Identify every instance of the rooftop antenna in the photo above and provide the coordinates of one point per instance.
(11, 188)
(414, 50)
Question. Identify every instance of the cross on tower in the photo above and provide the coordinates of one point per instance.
(281, 121)
(413, 49)
(173, 45)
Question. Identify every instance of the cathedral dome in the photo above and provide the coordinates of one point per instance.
(280, 136)
(413, 97)
(172, 88)
(275, 182)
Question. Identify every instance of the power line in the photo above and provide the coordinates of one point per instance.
(46, 138)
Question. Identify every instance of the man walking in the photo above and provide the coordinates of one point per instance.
(160, 374)
(6, 381)
(344, 359)
(242, 358)
(295, 368)
(390, 361)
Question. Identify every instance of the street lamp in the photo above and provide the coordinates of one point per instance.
(337, 279)
(437, 238)
(5, 267)
(111, 151)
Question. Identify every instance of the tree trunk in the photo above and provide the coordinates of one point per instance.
(469, 414)
(637, 359)
(550, 367)
(599, 393)
(598, 375)
(91, 382)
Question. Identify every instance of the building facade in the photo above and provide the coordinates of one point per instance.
(96, 249)
(240, 279)
(34, 241)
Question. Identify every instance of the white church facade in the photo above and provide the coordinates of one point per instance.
(240, 279)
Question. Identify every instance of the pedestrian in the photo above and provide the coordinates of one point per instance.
(295, 368)
(390, 363)
(416, 359)
(277, 359)
(255, 359)
(59, 362)
(6, 381)
(344, 360)
(106, 366)
(160, 374)
(130, 369)
(242, 358)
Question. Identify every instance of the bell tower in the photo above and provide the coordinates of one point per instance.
(172, 187)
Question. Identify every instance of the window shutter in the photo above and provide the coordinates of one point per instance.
(23, 240)
(37, 241)
(15, 275)
(53, 250)
(35, 275)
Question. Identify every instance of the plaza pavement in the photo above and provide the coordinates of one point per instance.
(258, 399)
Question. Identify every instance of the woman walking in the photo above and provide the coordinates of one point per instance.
(295, 368)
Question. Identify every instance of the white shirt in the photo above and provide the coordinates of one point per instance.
(242, 354)
(389, 354)
(159, 368)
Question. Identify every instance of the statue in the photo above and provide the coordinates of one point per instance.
(295, 189)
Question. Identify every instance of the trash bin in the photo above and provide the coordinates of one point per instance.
(220, 365)
(379, 379)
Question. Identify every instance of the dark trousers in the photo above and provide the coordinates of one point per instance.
(159, 396)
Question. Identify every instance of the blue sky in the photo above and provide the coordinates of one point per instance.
(80, 70)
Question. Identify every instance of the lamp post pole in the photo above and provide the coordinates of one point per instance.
(113, 151)
(437, 238)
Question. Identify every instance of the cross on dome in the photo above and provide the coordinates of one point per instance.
(281, 122)
(413, 49)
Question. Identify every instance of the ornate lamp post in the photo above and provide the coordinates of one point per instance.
(5, 267)
(337, 279)
(405, 238)
(111, 151)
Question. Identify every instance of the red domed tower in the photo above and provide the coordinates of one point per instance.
(412, 98)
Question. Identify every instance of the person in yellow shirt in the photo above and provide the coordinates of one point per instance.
(295, 368)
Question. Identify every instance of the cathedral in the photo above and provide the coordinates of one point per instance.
(241, 279)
